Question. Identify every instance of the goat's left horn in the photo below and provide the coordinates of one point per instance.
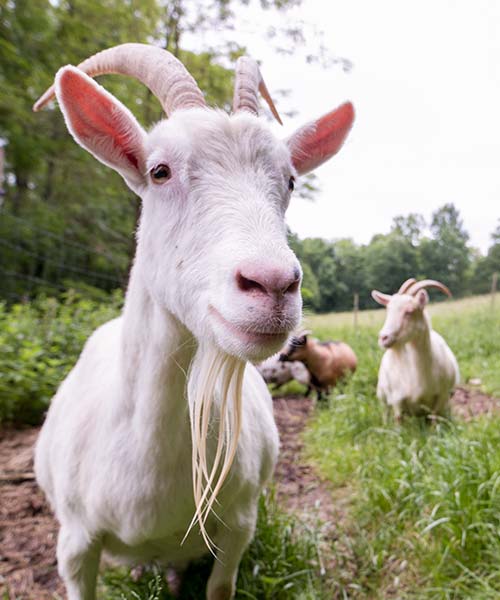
(406, 285)
(425, 283)
(156, 68)
(248, 81)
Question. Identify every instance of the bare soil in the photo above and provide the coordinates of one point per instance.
(469, 402)
(28, 530)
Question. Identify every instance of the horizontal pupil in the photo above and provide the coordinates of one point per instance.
(160, 173)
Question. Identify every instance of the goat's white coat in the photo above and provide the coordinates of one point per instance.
(114, 455)
(418, 372)
(275, 371)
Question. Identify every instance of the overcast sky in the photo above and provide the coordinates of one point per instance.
(426, 90)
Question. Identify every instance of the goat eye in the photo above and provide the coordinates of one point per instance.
(291, 183)
(160, 173)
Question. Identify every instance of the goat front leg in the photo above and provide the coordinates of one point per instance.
(232, 542)
(78, 562)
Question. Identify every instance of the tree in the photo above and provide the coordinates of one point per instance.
(351, 273)
(66, 219)
(389, 260)
(410, 227)
(485, 266)
(446, 256)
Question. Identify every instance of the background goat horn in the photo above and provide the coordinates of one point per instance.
(416, 287)
(407, 284)
(156, 68)
(248, 81)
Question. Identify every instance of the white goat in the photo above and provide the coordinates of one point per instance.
(418, 369)
(276, 372)
(159, 408)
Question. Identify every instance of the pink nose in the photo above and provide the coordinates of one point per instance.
(271, 280)
(385, 339)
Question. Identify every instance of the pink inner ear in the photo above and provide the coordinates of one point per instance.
(324, 139)
(94, 118)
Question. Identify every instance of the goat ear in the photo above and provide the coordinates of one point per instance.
(101, 124)
(381, 298)
(315, 143)
(422, 298)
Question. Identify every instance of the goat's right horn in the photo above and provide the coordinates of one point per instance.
(248, 80)
(406, 285)
(156, 68)
(425, 283)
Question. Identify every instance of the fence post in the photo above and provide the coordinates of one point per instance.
(494, 283)
(355, 310)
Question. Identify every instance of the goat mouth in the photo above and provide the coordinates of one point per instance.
(387, 344)
(248, 335)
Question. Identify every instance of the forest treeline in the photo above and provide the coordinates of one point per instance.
(336, 270)
(67, 222)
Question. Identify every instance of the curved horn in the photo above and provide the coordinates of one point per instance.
(248, 80)
(419, 285)
(156, 68)
(406, 285)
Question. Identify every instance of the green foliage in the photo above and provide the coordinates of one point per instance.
(39, 343)
(486, 266)
(65, 215)
(342, 268)
(424, 500)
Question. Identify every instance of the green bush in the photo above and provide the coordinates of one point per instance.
(39, 343)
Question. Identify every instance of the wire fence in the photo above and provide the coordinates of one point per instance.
(47, 261)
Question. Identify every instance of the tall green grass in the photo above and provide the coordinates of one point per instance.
(424, 514)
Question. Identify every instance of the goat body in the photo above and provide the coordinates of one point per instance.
(418, 370)
(278, 373)
(163, 412)
(326, 361)
(417, 377)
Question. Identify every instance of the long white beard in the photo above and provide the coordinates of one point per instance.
(214, 390)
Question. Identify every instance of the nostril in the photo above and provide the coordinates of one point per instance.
(247, 285)
(293, 287)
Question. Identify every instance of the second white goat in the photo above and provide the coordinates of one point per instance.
(277, 373)
(418, 370)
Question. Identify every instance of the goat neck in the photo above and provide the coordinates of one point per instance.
(156, 350)
(421, 339)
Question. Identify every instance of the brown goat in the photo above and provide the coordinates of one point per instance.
(327, 361)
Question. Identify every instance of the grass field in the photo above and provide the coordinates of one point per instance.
(422, 516)
(420, 504)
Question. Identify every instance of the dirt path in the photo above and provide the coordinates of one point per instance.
(28, 531)
(27, 528)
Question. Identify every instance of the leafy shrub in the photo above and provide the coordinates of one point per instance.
(39, 343)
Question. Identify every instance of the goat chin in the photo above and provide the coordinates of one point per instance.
(214, 391)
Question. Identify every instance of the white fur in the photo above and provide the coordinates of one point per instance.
(418, 370)
(114, 455)
(279, 373)
(163, 414)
